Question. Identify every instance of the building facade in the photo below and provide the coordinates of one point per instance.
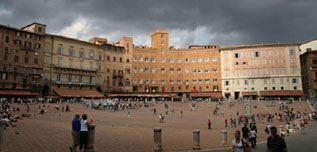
(308, 46)
(187, 72)
(309, 73)
(267, 70)
(21, 60)
(71, 64)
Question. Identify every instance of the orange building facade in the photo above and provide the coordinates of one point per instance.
(192, 72)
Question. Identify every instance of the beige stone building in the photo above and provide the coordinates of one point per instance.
(72, 68)
(267, 70)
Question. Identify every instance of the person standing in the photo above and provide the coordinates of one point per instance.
(238, 144)
(226, 122)
(253, 137)
(209, 124)
(245, 132)
(75, 133)
(84, 124)
(275, 143)
(182, 113)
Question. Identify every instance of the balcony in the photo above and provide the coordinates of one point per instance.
(74, 68)
(120, 76)
(66, 83)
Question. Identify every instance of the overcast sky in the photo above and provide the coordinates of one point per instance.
(217, 22)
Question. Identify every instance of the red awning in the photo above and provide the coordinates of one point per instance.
(282, 93)
(206, 94)
(141, 95)
(250, 93)
(18, 93)
(79, 93)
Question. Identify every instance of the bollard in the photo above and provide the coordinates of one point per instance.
(224, 138)
(158, 140)
(196, 140)
(91, 138)
(2, 124)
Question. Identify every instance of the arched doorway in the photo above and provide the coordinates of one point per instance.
(99, 89)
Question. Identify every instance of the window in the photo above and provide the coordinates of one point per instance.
(199, 70)
(91, 55)
(179, 70)
(194, 81)
(215, 80)
(146, 69)
(252, 72)
(153, 60)
(273, 88)
(187, 81)
(153, 70)
(292, 52)
(238, 82)
(162, 60)
(236, 55)
(128, 60)
(280, 61)
(179, 60)
(294, 80)
(295, 88)
(162, 70)
(207, 80)
(251, 62)
(186, 60)
(279, 52)
(258, 71)
(146, 59)
(58, 77)
(293, 70)
(272, 61)
(70, 78)
(244, 63)
(264, 71)
(120, 59)
(27, 35)
(272, 71)
(237, 63)
(186, 70)
(99, 66)
(153, 81)
(46, 60)
(172, 81)
(226, 73)
(200, 80)
(141, 69)
(293, 60)
(100, 57)
(7, 39)
(194, 70)
(16, 59)
(273, 81)
(271, 53)
(82, 54)
(162, 81)
(225, 55)
(38, 38)
(200, 59)
(207, 70)
(36, 60)
(257, 62)
(250, 54)
(246, 82)
(135, 59)
(243, 55)
(70, 63)
(70, 52)
(27, 45)
(171, 69)
(263, 53)
(17, 34)
(206, 59)
(215, 88)
(245, 71)
(141, 59)
(280, 69)
(162, 50)
(193, 60)
(265, 81)
(263, 61)
(81, 64)
(237, 72)
(227, 83)
(171, 60)
(59, 62)
(214, 70)
(26, 60)
(257, 54)
(91, 65)
(252, 82)
(265, 88)
(282, 88)
(114, 59)
(281, 81)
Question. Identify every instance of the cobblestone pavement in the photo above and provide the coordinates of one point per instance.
(115, 132)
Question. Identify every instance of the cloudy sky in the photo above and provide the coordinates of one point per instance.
(219, 22)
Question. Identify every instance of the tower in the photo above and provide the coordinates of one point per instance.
(159, 40)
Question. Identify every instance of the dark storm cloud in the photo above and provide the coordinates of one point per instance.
(225, 22)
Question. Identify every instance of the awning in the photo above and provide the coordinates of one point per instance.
(282, 93)
(250, 93)
(18, 93)
(140, 95)
(79, 93)
(206, 94)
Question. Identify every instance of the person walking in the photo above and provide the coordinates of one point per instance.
(182, 113)
(238, 144)
(275, 143)
(84, 124)
(226, 122)
(245, 132)
(209, 124)
(75, 133)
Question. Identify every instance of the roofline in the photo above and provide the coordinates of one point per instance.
(32, 24)
(18, 29)
(74, 39)
(309, 41)
(256, 46)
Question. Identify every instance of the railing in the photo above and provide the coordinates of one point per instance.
(74, 68)
(75, 83)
